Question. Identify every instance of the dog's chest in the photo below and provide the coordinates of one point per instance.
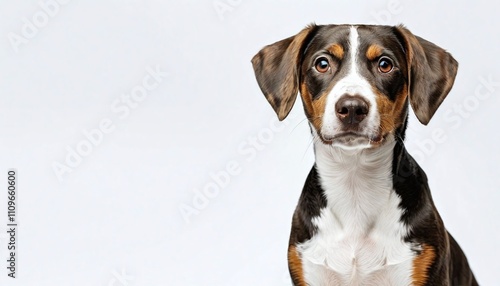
(359, 238)
(341, 254)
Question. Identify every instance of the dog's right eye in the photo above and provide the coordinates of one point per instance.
(385, 65)
(322, 64)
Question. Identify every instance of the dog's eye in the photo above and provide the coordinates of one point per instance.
(322, 64)
(385, 65)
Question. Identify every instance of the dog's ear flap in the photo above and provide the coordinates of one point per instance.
(431, 73)
(277, 67)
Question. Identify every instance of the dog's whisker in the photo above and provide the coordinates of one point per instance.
(307, 148)
(297, 125)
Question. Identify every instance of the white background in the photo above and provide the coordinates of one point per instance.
(118, 212)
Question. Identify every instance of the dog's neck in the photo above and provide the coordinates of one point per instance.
(357, 183)
(371, 163)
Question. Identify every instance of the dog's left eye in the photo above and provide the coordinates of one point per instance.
(385, 65)
(322, 64)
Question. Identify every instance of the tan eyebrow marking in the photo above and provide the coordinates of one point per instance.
(373, 52)
(337, 50)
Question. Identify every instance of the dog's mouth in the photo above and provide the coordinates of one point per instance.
(353, 140)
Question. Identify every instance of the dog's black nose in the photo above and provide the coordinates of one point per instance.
(351, 110)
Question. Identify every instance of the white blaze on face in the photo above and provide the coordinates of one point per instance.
(352, 84)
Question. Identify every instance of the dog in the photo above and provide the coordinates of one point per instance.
(365, 215)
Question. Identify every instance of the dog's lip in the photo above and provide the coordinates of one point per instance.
(374, 141)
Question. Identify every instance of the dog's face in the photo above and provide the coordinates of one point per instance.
(355, 81)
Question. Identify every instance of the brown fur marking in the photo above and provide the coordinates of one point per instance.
(373, 52)
(390, 112)
(337, 50)
(295, 266)
(421, 265)
(315, 109)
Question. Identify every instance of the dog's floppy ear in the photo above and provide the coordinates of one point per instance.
(276, 68)
(431, 73)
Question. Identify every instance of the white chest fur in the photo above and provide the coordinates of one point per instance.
(360, 237)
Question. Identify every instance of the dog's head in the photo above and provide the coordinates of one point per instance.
(355, 81)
